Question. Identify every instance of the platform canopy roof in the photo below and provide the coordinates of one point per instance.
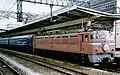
(67, 16)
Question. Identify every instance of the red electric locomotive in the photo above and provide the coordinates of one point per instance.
(97, 46)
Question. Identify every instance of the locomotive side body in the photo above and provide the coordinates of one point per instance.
(84, 43)
(64, 43)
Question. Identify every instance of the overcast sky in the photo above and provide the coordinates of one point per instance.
(27, 7)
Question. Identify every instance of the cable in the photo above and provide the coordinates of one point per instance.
(4, 5)
(12, 6)
(7, 5)
(7, 2)
(9, 10)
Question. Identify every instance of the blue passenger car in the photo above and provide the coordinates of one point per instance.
(23, 43)
(4, 42)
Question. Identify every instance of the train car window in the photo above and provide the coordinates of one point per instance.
(41, 38)
(23, 41)
(73, 36)
(91, 37)
(64, 36)
(37, 38)
(51, 37)
(58, 37)
(46, 37)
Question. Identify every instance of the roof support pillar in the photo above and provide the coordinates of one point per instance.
(51, 7)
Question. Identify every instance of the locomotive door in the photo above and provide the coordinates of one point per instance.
(85, 41)
(80, 43)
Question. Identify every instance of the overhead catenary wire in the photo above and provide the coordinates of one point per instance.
(4, 8)
(6, 5)
(12, 6)
(7, 14)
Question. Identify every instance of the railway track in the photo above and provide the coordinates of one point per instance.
(7, 69)
(60, 69)
(110, 67)
(57, 67)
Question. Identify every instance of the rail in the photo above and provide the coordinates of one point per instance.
(13, 70)
(62, 68)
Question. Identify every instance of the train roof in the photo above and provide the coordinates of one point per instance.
(3, 38)
(23, 36)
(74, 34)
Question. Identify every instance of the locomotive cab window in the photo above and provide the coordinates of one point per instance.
(100, 37)
(91, 37)
(86, 38)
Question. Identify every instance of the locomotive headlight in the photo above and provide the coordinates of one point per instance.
(106, 47)
(98, 59)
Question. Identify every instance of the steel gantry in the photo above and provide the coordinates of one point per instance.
(51, 3)
(19, 11)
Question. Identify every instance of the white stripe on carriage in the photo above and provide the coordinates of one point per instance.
(100, 43)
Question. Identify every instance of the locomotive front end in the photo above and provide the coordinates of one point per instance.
(103, 47)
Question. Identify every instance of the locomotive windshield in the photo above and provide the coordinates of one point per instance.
(106, 35)
(101, 36)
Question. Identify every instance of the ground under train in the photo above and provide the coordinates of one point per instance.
(93, 46)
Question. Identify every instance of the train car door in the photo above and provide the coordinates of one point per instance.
(85, 41)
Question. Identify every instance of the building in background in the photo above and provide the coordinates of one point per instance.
(110, 6)
(104, 5)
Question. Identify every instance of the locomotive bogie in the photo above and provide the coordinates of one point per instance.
(101, 58)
